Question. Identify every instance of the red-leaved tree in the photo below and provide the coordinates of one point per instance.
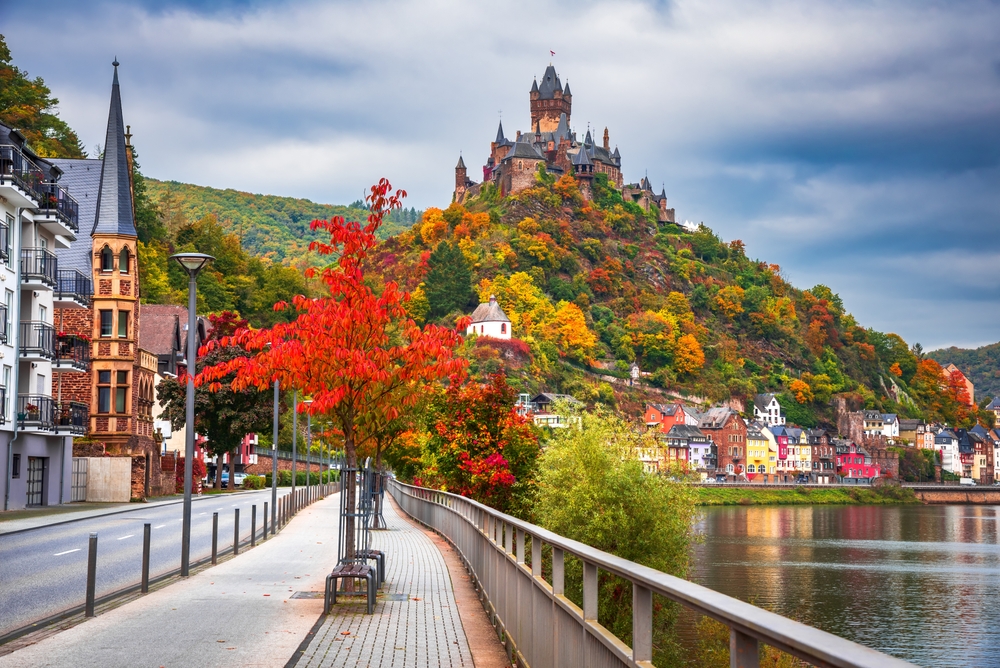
(355, 352)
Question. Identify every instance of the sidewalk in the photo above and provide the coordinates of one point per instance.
(416, 620)
(243, 612)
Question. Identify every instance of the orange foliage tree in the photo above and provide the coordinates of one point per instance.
(356, 352)
(689, 357)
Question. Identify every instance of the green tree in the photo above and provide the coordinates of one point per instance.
(27, 104)
(448, 284)
(592, 488)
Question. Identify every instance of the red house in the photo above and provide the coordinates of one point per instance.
(663, 416)
(854, 462)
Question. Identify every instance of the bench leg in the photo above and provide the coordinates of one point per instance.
(371, 592)
(381, 569)
(326, 595)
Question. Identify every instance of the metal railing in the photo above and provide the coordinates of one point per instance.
(4, 241)
(57, 202)
(19, 170)
(545, 628)
(74, 351)
(38, 339)
(39, 264)
(72, 417)
(35, 411)
(72, 284)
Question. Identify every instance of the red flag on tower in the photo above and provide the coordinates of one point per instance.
(552, 52)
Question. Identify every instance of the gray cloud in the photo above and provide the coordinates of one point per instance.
(855, 144)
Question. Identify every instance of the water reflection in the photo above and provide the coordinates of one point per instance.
(918, 582)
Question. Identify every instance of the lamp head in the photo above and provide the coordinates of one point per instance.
(192, 262)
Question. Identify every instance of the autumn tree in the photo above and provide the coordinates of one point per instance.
(356, 352)
(448, 284)
(225, 416)
(568, 331)
(689, 358)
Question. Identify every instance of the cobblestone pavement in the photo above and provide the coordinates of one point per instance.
(416, 620)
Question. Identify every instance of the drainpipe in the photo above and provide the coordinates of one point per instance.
(16, 251)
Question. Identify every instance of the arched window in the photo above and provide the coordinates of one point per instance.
(107, 259)
(751, 469)
(503, 328)
(124, 261)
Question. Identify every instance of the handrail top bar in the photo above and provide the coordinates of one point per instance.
(786, 634)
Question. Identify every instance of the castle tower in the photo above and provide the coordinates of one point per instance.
(583, 170)
(548, 100)
(462, 181)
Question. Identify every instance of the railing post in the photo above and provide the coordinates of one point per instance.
(263, 536)
(536, 557)
(520, 545)
(236, 532)
(145, 557)
(589, 592)
(743, 650)
(558, 572)
(253, 525)
(91, 576)
(642, 623)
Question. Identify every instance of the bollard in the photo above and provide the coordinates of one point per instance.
(253, 526)
(215, 538)
(145, 557)
(91, 575)
(264, 535)
(236, 532)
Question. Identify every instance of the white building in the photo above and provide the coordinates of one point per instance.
(767, 410)
(890, 426)
(489, 320)
(946, 442)
(37, 216)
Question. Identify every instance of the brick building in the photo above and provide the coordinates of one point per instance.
(728, 432)
(119, 386)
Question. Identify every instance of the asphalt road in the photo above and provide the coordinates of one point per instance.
(43, 571)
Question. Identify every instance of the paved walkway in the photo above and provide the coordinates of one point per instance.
(416, 621)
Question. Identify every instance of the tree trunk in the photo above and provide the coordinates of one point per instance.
(234, 459)
(377, 489)
(218, 474)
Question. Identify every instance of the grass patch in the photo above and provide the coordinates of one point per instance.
(722, 495)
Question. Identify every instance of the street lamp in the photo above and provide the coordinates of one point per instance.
(192, 263)
(309, 442)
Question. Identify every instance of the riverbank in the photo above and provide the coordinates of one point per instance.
(748, 496)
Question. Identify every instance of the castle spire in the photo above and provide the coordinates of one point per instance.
(500, 138)
(114, 198)
(461, 162)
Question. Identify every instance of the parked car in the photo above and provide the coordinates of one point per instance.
(967, 481)
(237, 479)
(802, 479)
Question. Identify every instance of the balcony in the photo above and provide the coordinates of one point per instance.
(58, 212)
(72, 417)
(20, 178)
(4, 241)
(38, 340)
(35, 412)
(72, 353)
(73, 289)
(38, 269)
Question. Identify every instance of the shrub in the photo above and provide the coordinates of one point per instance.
(197, 473)
(253, 482)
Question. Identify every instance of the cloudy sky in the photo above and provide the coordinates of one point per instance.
(856, 144)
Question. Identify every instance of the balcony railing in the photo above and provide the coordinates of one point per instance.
(73, 351)
(543, 627)
(39, 265)
(4, 240)
(35, 411)
(59, 203)
(38, 339)
(73, 285)
(72, 417)
(22, 172)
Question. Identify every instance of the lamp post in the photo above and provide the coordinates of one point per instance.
(309, 442)
(192, 263)
(274, 463)
(295, 435)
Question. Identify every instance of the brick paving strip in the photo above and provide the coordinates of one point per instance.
(427, 613)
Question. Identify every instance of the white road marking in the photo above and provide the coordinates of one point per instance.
(128, 536)
(202, 514)
(159, 526)
(59, 554)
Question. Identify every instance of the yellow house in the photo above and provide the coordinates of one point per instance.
(757, 453)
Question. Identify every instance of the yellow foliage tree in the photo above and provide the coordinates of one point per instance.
(801, 391)
(523, 302)
(433, 226)
(568, 331)
(729, 301)
(689, 358)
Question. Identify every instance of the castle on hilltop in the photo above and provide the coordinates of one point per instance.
(512, 164)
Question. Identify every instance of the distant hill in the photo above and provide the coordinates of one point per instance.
(268, 226)
(980, 365)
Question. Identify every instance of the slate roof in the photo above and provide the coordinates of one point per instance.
(162, 328)
(888, 417)
(523, 149)
(686, 431)
(666, 409)
(489, 312)
(550, 82)
(82, 178)
(114, 202)
(581, 158)
(566, 90)
(461, 163)
(908, 424)
(715, 418)
(994, 405)
(546, 398)
(761, 401)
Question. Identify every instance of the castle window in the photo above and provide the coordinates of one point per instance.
(503, 328)
(107, 259)
(520, 164)
(103, 391)
(121, 391)
(123, 261)
(122, 324)
(107, 319)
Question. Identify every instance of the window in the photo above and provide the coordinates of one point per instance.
(503, 328)
(9, 300)
(123, 261)
(121, 391)
(122, 324)
(107, 259)
(751, 469)
(6, 384)
(107, 325)
(43, 313)
(103, 391)
(15, 469)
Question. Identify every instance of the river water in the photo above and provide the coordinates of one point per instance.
(918, 582)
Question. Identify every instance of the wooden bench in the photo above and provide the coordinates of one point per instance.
(378, 557)
(349, 571)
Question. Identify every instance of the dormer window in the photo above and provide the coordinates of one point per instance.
(124, 261)
(107, 259)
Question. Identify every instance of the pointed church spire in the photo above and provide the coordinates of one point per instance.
(461, 162)
(500, 138)
(114, 198)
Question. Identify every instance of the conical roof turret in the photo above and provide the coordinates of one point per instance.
(114, 199)
(500, 138)
(461, 162)
(534, 86)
